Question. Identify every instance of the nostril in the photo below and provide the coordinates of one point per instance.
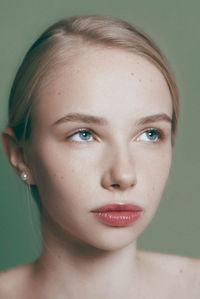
(115, 185)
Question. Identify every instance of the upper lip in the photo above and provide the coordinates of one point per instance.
(118, 207)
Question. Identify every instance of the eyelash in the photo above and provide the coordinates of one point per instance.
(159, 133)
(81, 131)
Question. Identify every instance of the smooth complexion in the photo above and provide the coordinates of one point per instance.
(101, 135)
(117, 162)
(122, 105)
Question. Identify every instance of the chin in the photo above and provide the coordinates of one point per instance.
(113, 246)
(111, 239)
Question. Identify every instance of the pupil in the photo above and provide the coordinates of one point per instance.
(85, 135)
(152, 134)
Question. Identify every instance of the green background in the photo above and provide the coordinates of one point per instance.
(175, 26)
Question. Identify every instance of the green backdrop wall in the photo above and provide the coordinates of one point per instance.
(175, 26)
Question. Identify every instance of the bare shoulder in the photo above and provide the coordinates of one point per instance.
(180, 273)
(14, 281)
(170, 262)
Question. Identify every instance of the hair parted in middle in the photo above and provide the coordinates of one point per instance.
(64, 40)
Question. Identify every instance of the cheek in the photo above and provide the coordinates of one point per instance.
(64, 175)
(153, 174)
(67, 183)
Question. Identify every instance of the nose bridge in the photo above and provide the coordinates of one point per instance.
(120, 172)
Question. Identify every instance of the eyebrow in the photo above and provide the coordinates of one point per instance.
(91, 119)
(79, 117)
(153, 118)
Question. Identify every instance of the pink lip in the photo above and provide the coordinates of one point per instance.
(118, 214)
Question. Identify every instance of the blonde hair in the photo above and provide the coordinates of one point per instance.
(66, 38)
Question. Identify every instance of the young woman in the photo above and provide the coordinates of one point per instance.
(92, 120)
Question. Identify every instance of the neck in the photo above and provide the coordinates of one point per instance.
(72, 268)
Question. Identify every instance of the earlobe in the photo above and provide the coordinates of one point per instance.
(14, 152)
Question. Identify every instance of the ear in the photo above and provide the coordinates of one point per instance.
(15, 154)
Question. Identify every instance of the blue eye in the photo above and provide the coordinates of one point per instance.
(82, 135)
(151, 135)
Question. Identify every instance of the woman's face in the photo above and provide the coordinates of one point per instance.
(101, 134)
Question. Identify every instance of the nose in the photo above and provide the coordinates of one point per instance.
(120, 173)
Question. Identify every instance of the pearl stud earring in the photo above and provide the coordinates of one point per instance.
(24, 176)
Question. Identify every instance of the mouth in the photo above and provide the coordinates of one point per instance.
(118, 214)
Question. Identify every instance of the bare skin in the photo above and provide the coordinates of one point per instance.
(164, 277)
(115, 160)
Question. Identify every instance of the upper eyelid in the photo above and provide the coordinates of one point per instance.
(151, 128)
(156, 128)
(137, 130)
(81, 130)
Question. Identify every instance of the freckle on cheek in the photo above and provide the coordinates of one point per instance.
(132, 74)
(138, 258)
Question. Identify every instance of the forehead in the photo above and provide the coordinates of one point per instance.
(103, 81)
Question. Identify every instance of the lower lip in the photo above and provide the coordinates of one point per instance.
(118, 218)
